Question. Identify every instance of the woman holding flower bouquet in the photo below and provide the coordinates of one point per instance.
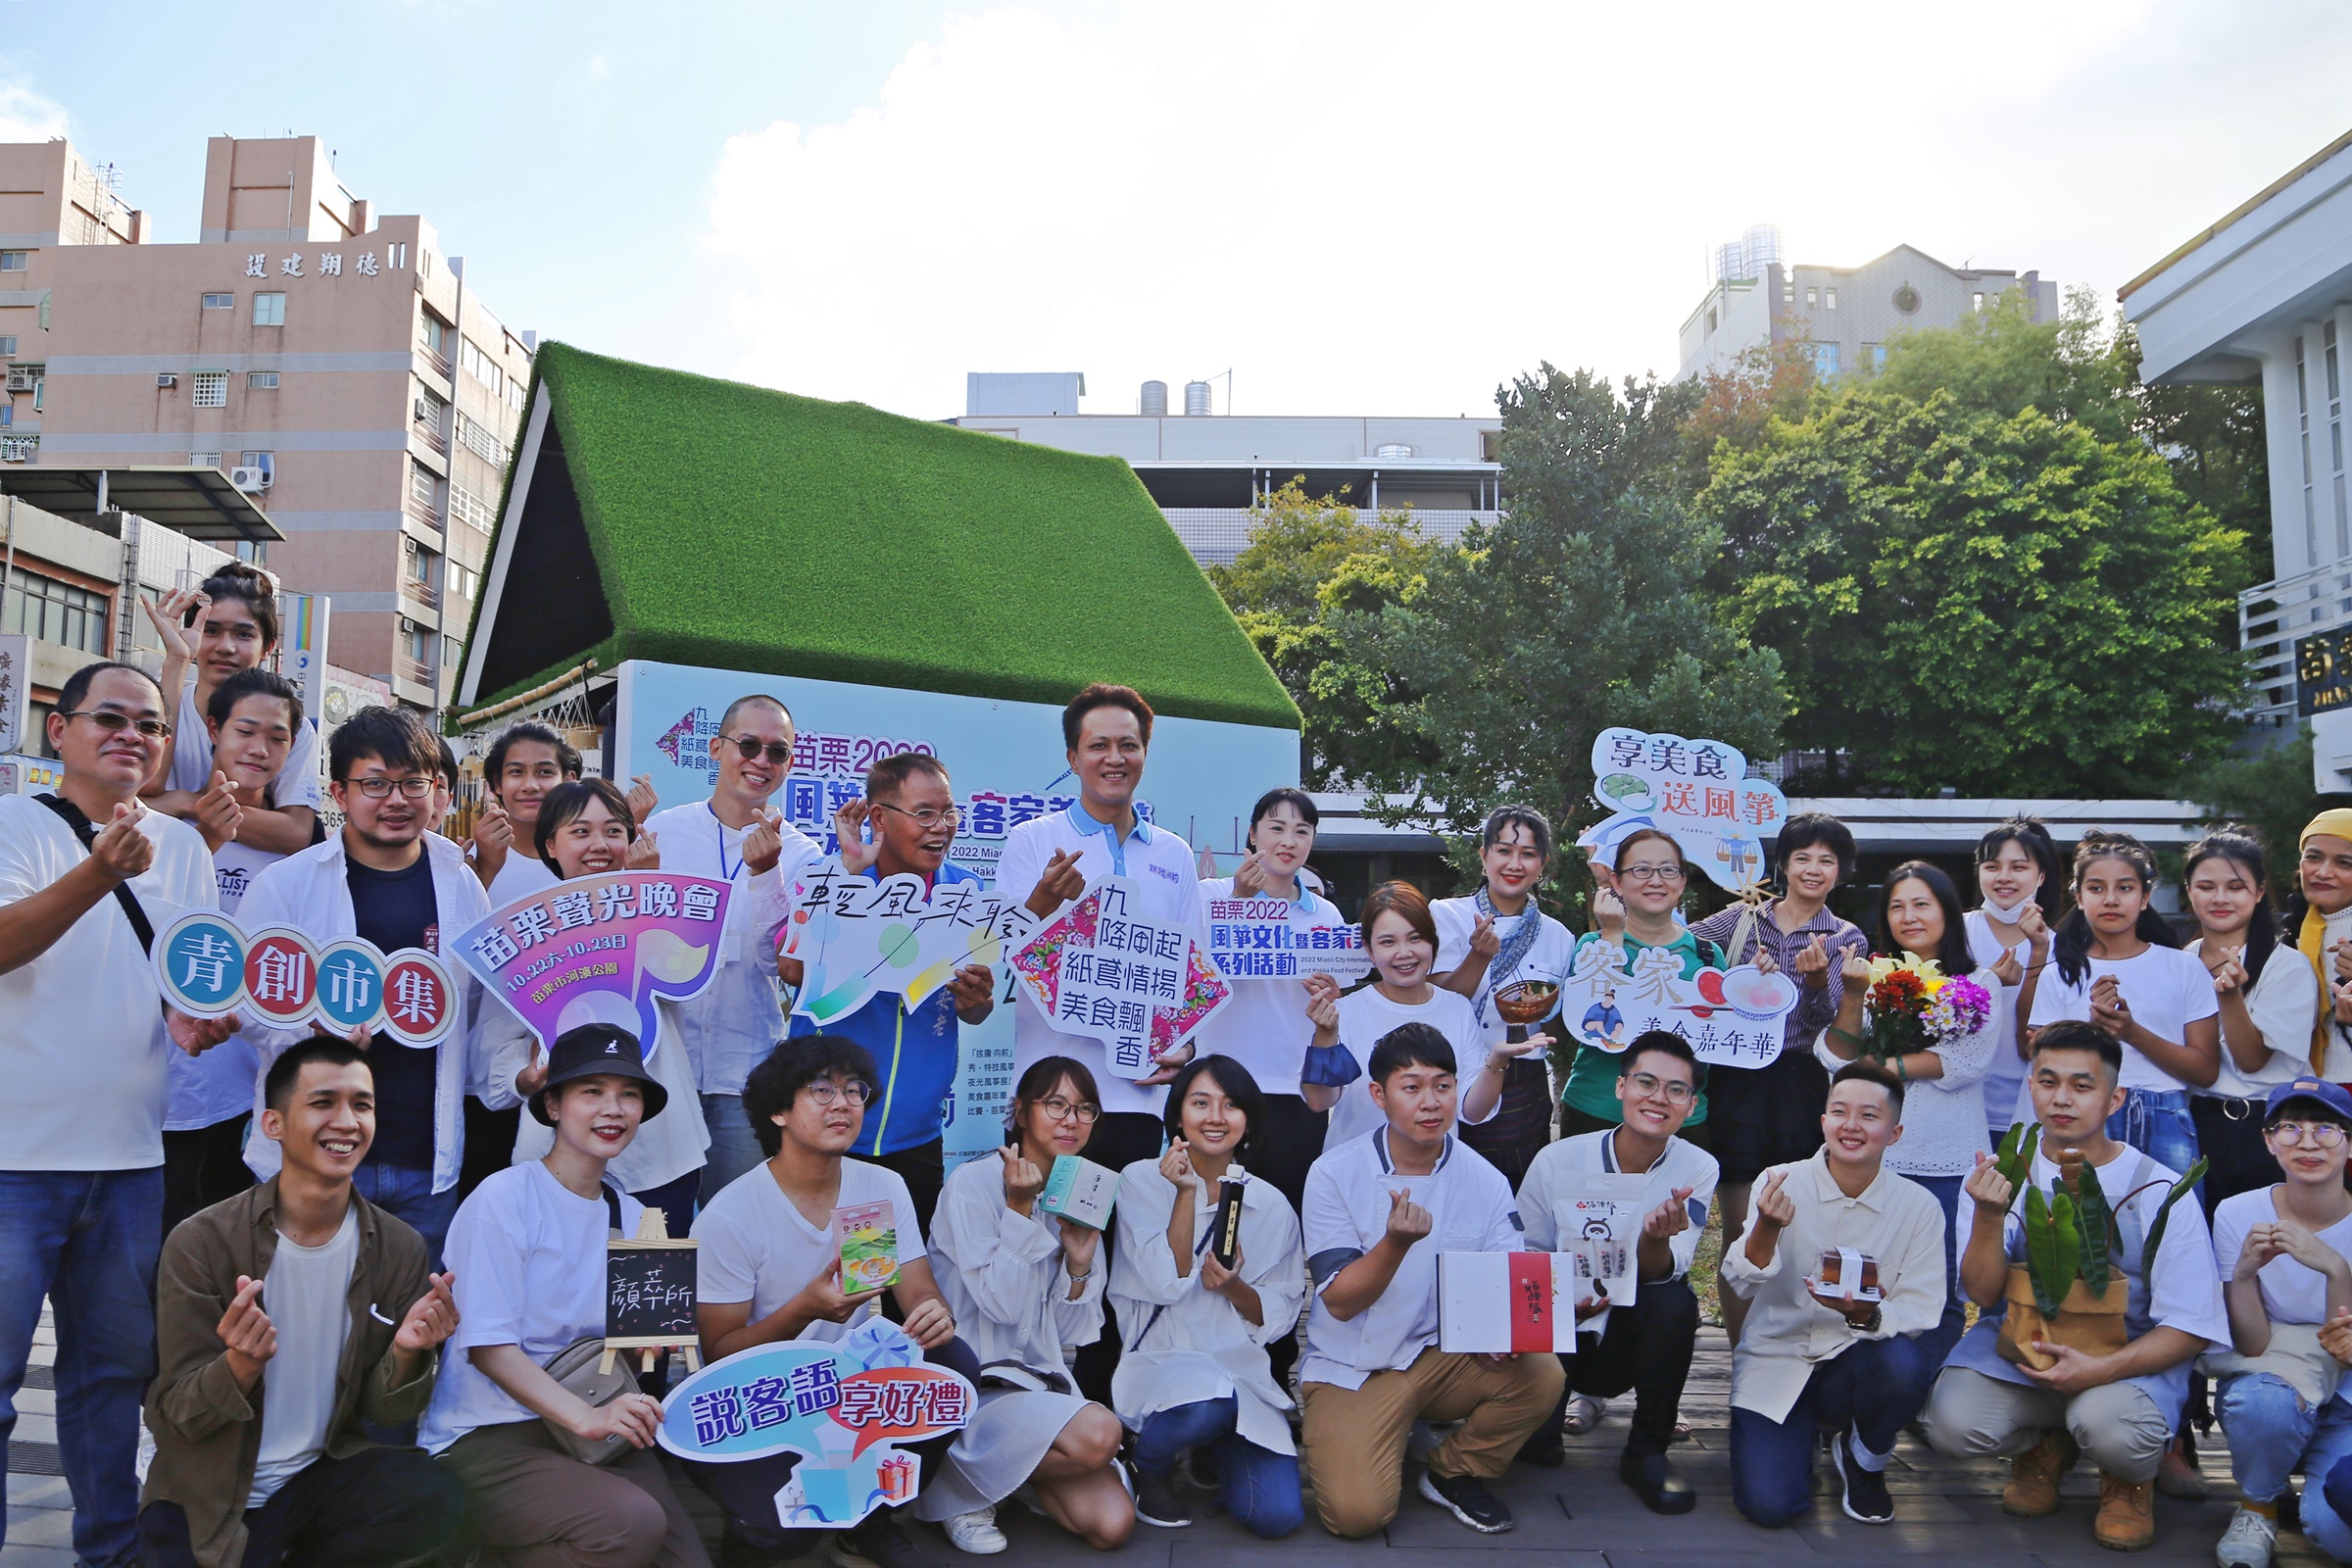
(1928, 1017)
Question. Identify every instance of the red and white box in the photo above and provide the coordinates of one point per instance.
(1496, 1303)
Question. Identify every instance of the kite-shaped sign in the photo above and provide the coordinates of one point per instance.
(856, 936)
(1697, 791)
(1139, 986)
(1731, 1017)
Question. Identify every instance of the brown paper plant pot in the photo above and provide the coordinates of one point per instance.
(2091, 1324)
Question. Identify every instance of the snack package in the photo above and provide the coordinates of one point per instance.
(870, 1246)
(1848, 1273)
(1080, 1191)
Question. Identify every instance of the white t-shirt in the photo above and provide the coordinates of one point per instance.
(308, 1296)
(297, 783)
(2285, 1004)
(1265, 1027)
(522, 875)
(218, 1086)
(757, 1247)
(1680, 1165)
(1549, 958)
(2292, 1291)
(2166, 989)
(1365, 1015)
(82, 1026)
(2005, 1099)
(529, 1257)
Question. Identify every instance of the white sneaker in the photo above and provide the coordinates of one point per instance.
(2247, 1543)
(976, 1533)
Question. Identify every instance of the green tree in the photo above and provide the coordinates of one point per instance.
(2269, 791)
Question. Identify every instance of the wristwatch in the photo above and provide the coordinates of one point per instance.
(1870, 1324)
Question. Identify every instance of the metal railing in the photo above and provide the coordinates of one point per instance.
(424, 593)
(2270, 615)
(438, 362)
(1215, 535)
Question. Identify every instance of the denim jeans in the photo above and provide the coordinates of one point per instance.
(2272, 1433)
(1939, 1340)
(734, 1147)
(1259, 1486)
(1873, 1387)
(2157, 1123)
(407, 1194)
(87, 1240)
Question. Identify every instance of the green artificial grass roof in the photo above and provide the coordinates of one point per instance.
(742, 528)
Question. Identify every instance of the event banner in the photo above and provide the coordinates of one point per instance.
(1732, 1017)
(1007, 763)
(846, 1406)
(856, 936)
(599, 949)
(1699, 791)
(208, 966)
(1137, 986)
(1269, 938)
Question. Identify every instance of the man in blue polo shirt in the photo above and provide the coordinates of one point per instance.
(913, 810)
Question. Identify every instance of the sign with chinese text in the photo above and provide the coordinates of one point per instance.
(2323, 672)
(846, 1406)
(15, 669)
(1699, 791)
(208, 966)
(1263, 939)
(1732, 1017)
(1137, 986)
(856, 936)
(599, 949)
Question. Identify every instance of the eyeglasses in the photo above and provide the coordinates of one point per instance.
(929, 816)
(1061, 1109)
(778, 752)
(1649, 1083)
(1652, 873)
(2295, 1134)
(115, 722)
(377, 789)
(824, 1090)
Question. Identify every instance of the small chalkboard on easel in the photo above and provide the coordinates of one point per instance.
(649, 1294)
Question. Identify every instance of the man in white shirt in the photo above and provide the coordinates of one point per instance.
(85, 1037)
(391, 880)
(1644, 1347)
(2120, 1408)
(1837, 1355)
(735, 836)
(1379, 1210)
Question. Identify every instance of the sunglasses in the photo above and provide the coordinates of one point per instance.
(778, 752)
(115, 723)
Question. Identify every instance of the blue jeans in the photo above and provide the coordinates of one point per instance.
(407, 1194)
(1257, 1487)
(2272, 1433)
(2157, 1123)
(734, 1147)
(1938, 1340)
(87, 1240)
(1875, 1386)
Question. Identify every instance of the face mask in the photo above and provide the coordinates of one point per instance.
(2007, 916)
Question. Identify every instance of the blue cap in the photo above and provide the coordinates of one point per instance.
(2333, 1096)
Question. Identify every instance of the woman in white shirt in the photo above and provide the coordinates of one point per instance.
(2318, 925)
(2269, 1005)
(2018, 876)
(2113, 964)
(1194, 1373)
(1943, 1097)
(1403, 940)
(1025, 1288)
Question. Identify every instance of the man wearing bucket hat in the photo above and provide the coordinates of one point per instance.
(2318, 920)
(2091, 1388)
(527, 1248)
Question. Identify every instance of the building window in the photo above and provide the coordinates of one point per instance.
(1875, 353)
(477, 438)
(1812, 295)
(266, 461)
(58, 613)
(270, 310)
(261, 380)
(481, 366)
(8, 347)
(211, 389)
(1976, 302)
(220, 301)
(20, 448)
(2311, 512)
(464, 581)
(423, 489)
(1825, 359)
(204, 460)
(420, 645)
(431, 330)
(13, 261)
(1831, 301)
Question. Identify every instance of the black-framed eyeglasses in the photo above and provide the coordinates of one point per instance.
(1061, 1109)
(1653, 873)
(778, 752)
(928, 816)
(824, 1090)
(115, 722)
(379, 789)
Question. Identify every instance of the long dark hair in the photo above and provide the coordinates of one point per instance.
(2029, 835)
(1952, 953)
(2070, 945)
(242, 581)
(1239, 1088)
(2237, 845)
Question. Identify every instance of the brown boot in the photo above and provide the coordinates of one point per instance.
(2032, 1488)
(2127, 1520)
(2177, 1476)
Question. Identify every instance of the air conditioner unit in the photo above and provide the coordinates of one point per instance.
(21, 380)
(422, 413)
(167, 379)
(249, 480)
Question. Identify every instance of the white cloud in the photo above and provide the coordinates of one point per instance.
(28, 116)
(1389, 208)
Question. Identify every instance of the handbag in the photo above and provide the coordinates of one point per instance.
(580, 1367)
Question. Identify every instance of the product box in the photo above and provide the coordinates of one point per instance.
(1848, 1273)
(1080, 1191)
(868, 1234)
(1494, 1302)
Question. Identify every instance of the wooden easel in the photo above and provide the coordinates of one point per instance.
(652, 1233)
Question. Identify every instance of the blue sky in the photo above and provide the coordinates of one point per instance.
(1373, 207)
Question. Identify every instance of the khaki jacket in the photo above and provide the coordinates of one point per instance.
(206, 1430)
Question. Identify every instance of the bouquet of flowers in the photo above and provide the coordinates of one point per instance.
(1912, 1005)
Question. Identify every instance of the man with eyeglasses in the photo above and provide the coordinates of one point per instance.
(912, 808)
(1644, 1347)
(392, 880)
(2119, 1409)
(735, 836)
(86, 1040)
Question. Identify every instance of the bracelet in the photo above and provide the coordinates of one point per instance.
(1078, 1279)
(1851, 1039)
(1902, 1074)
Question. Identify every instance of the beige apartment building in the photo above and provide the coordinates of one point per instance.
(332, 361)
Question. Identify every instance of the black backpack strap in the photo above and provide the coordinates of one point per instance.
(72, 814)
(612, 1206)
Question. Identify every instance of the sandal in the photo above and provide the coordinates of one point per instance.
(1583, 1414)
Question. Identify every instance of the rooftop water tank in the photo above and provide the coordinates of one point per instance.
(1392, 450)
(1156, 399)
(1195, 397)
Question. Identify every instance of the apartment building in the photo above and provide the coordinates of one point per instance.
(330, 359)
